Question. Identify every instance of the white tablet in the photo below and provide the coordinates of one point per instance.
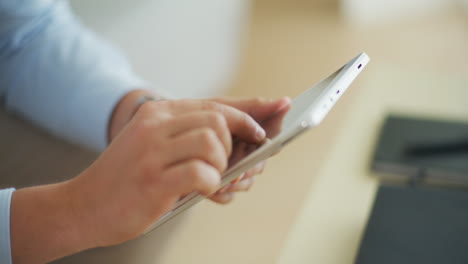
(305, 111)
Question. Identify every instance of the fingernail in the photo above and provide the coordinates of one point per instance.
(238, 179)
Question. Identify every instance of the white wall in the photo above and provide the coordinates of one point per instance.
(465, 4)
(368, 12)
(190, 48)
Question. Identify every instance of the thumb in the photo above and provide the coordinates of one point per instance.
(258, 108)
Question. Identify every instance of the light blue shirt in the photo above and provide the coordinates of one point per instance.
(59, 75)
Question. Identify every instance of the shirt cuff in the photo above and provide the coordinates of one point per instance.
(91, 110)
(5, 246)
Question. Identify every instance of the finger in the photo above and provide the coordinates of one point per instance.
(213, 120)
(238, 179)
(240, 124)
(257, 108)
(258, 169)
(222, 198)
(241, 186)
(202, 144)
(241, 150)
(193, 175)
(238, 152)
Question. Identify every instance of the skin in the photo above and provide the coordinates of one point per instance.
(157, 154)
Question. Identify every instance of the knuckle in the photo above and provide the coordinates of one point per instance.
(217, 119)
(196, 170)
(246, 120)
(212, 149)
(208, 138)
(212, 106)
(218, 123)
(206, 105)
(202, 176)
(221, 163)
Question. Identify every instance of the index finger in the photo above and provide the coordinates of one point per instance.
(239, 123)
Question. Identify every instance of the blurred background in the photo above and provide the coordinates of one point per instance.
(197, 48)
(312, 202)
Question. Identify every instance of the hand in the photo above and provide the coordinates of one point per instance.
(171, 148)
(259, 109)
(167, 150)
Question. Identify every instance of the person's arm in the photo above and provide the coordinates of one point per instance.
(126, 108)
(58, 74)
(168, 150)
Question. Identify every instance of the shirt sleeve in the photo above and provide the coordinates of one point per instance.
(5, 247)
(57, 73)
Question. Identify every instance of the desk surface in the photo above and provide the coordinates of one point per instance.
(312, 202)
(336, 209)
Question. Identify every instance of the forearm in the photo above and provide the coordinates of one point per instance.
(44, 224)
(74, 78)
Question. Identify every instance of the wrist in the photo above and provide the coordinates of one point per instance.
(44, 226)
(125, 110)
